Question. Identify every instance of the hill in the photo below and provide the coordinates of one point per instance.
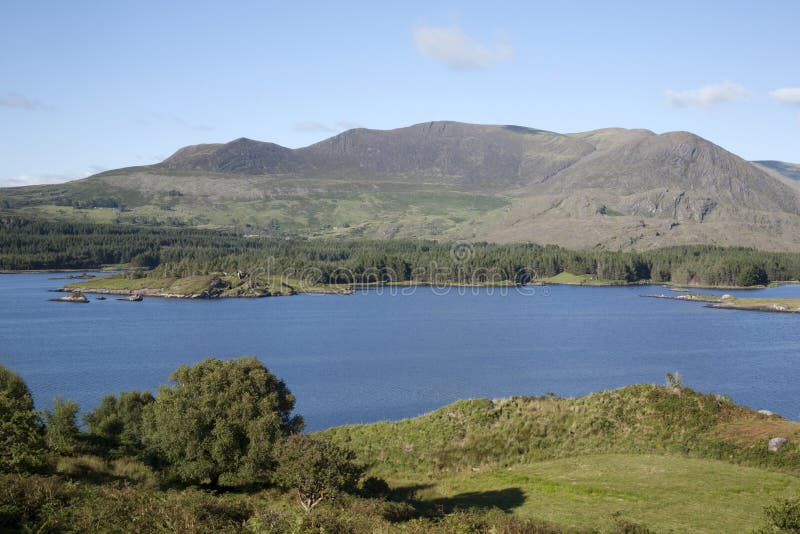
(670, 458)
(611, 188)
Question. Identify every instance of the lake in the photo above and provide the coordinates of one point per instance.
(398, 353)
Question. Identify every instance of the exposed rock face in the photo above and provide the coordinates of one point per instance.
(776, 444)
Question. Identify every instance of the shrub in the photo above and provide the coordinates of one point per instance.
(315, 467)
(61, 426)
(219, 419)
(783, 516)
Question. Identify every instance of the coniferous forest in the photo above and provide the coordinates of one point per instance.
(30, 245)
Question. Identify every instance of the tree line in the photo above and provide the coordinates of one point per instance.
(179, 252)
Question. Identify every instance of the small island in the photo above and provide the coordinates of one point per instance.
(209, 286)
(74, 296)
(729, 302)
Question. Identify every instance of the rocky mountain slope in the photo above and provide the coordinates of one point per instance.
(612, 188)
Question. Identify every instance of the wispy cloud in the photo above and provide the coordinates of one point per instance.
(708, 96)
(347, 125)
(787, 95)
(18, 101)
(320, 127)
(312, 127)
(459, 51)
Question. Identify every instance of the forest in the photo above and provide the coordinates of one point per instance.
(32, 245)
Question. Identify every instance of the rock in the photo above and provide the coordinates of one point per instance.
(75, 296)
(775, 444)
(765, 412)
(726, 297)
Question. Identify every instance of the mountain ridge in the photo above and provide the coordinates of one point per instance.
(613, 187)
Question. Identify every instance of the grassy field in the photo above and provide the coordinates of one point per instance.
(665, 492)
(580, 280)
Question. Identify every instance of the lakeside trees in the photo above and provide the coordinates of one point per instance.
(173, 252)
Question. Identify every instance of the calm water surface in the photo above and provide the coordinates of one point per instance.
(377, 355)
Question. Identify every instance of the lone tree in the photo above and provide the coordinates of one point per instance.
(315, 467)
(219, 419)
(21, 430)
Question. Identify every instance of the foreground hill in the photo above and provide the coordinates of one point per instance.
(611, 188)
(670, 458)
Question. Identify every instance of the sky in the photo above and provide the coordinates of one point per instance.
(89, 86)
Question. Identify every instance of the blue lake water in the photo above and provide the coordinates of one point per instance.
(394, 354)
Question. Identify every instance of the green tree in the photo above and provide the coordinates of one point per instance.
(219, 419)
(61, 427)
(118, 420)
(315, 467)
(21, 431)
(753, 275)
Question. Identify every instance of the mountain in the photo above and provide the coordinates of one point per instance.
(614, 188)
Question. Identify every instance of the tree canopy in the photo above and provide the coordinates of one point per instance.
(21, 430)
(219, 420)
(118, 419)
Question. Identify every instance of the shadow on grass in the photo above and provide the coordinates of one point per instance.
(506, 499)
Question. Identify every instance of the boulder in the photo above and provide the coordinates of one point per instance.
(775, 444)
(765, 412)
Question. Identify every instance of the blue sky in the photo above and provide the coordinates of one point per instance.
(88, 86)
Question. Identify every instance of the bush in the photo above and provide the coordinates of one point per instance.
(783, 516)
(219, 419)
(61, 426)
(315, 467)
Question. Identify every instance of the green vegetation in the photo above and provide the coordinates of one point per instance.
(218, 450)
(218, 422)
(21, 430)
(223, 264)
(315, 467)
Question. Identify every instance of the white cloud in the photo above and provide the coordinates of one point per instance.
(708, 95)
(18, 101)
(41, 179)
(312, 126)
(180, 121)
(787, 95)
(451, 46)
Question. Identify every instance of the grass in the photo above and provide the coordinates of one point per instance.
(666, 493)
(669, 458)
